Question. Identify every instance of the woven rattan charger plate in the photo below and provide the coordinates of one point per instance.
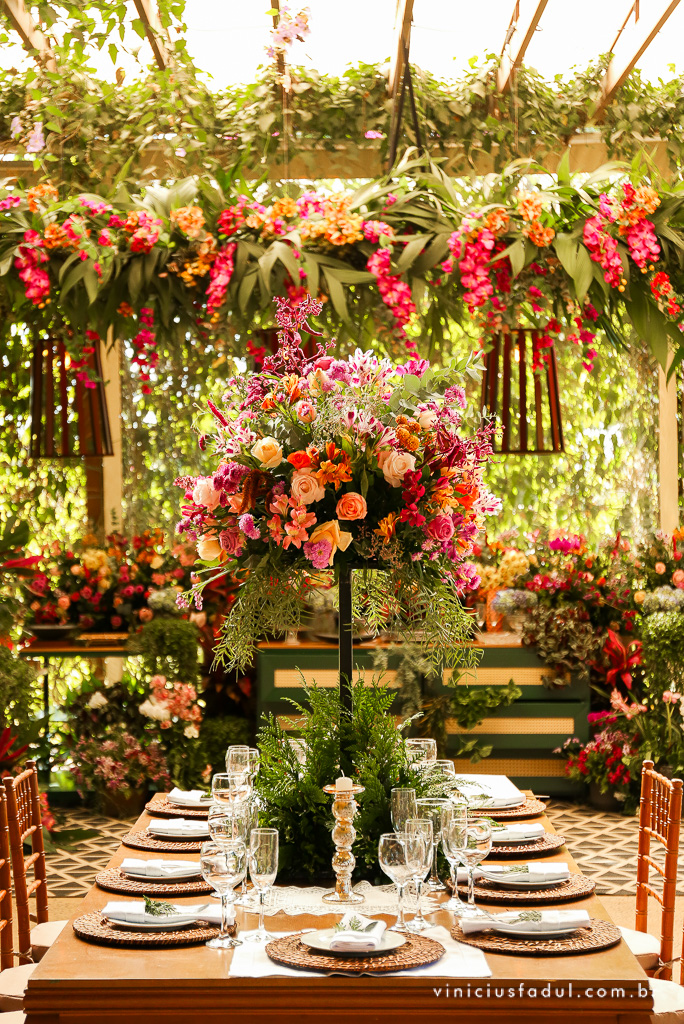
(599, 935)
(530, 809)
(576, 888)
(94, 928)
(417, 952)
(112, 880)
(168, 810)
(548, 843)
(144, 841)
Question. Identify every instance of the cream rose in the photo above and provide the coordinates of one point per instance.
(305, 487)
(395, 465)
(351, 506)
(191, 732)
(268, 452)
(208, 547)
(331, 532)
(426, 419)
(204, 494)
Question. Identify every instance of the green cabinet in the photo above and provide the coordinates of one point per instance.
(523, 735)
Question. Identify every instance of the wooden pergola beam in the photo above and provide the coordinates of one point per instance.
(400, 45)
(31, 36)
(518, 38)
(154, 30)
(635, 44)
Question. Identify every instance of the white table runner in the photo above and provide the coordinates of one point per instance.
(378, 899)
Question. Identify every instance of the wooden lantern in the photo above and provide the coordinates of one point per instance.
(67, 418)
(530, 420)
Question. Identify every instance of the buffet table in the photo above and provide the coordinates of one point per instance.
(77, 982)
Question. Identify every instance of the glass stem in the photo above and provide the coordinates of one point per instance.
(453, 869)
(262, 906)
(400, 923)
(471, 886)
(418, 917)
(243, 886)
(224, 915)
(435, 876)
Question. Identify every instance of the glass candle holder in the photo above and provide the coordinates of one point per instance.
(344, 834)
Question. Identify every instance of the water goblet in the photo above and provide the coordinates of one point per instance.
(223, 865)
(475, 843)
(421, 827)
(438, 811)
(452, 851)
(263, 868)
(237, 759)
(421, 751)
(397, 856)
(403, 806)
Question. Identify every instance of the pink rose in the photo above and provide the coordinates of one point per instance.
(678, 578)
(205, 494)
(351, 506)
(659, 568)
(441, 528)
(116, 621)
(395, 465)
(146, 614)
(305, 487)
(305, 411)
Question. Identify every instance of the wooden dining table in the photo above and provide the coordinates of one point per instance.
(81, 983)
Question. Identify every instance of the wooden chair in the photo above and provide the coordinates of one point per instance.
(660, 814)
(12, 979)
(25, 820)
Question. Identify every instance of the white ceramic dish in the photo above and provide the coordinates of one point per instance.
(320, 942)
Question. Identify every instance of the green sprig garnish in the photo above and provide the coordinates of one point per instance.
(158, 908)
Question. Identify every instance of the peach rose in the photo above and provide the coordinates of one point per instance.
(234, 502)
(659, 568)
(678, 578)
(305, 411)
(353, 506)
(639, 596)
(205, 494)
(395, 465)
(426, 419)
(331, 532)
(208, 547)
(306, 488)
(199, 618)
(146, 614)
(268, 452)
(63, 602)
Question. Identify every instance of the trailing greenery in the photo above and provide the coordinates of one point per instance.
(662, 652)
(468, 706)
(564, 639)
(18, 693)
(374, 755)
(168, 647)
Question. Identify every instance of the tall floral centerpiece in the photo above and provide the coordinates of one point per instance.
(324, 465)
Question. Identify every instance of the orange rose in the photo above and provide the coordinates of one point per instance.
(208, 547)
(299, 459)
(351, 506)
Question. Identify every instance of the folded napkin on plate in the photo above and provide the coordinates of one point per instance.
(189, 797)
(526, 872)
(133, 912)
(490, 790)
(526, 921)
(158, 868)
(356, 933)
(178, 826)
(514, 833)
(462, 875)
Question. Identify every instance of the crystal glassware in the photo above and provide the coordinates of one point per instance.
(403, 807)
(399, 856)
(237, 759)
(421, 827)
(263, 868)
(474, 842)
(438, 811)
(223, 865)
(452, 851)
(421, 750)
(344, 834)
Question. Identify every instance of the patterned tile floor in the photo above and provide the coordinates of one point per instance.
(604, 846)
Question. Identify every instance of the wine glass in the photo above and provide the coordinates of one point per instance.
(438, 810)
(403, 807)
(421, 750)
(399, 857)
(421, 827)
(253, 763)
(223, 865)
(452, 851)
(228, 821)
(237, 759)
(474, 841)
(263, 868)
(230, 788)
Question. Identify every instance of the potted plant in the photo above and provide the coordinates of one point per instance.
(514, 605)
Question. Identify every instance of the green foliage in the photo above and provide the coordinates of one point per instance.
(469, 707)
(168, 647)
(662, 652)
(294, 802)
(564, 640)
(18, 693)
(191, 764)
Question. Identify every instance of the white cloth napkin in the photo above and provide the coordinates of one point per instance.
(357, 933)
(515, 833)
(189, 797)
(157, 868)
(462, 875)
(526, 872)
(498, 789)
(178, 827)
(513, 921)
(250, 960)
(133, 912)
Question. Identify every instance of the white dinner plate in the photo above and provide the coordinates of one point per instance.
(201, 832)
(524, 886)
(198, 805)
(156, 926)
(516, 933)
(320, 941)
(192, 872)
(499, 840)
(486, 803)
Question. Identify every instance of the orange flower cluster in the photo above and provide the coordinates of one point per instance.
(56, 237)
(497, 221)
(538, 234)
(189, 219)
(387, 527)
(338, 226)
(529, 205)
(41, 193)
(336, 468)
(199, 266)
(407, 434)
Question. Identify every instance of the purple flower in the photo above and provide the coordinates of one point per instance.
(36, 140)
(374, 135)
(15, 127)
(318, 553)
(249, 527)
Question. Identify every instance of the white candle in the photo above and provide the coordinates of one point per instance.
(343, 784)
